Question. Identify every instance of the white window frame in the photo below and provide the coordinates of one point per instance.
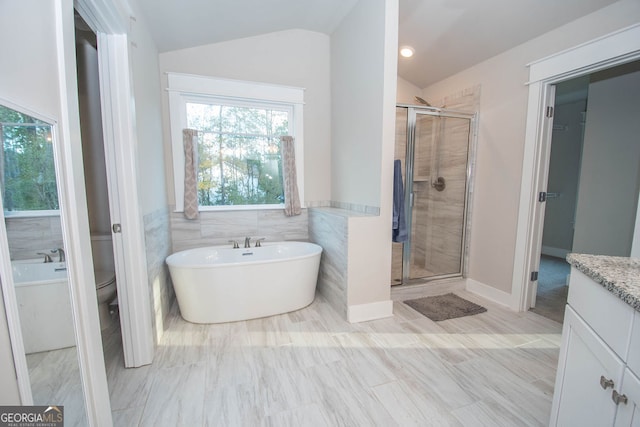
(184, 88)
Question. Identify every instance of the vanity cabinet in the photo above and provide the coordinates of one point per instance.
(629, 414)
(598, 356)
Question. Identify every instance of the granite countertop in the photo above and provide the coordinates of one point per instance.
(619, 275)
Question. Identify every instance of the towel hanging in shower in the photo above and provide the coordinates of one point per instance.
(399, 229)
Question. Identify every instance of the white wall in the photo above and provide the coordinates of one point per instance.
(363, 96)
(145, 69)
(293, 58)
(357, 79)
(501, 133)
(610, 173)
(406, 92)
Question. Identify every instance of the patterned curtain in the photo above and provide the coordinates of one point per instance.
(291, 196)
(190, 139)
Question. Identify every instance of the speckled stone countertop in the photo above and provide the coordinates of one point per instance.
(619, 275)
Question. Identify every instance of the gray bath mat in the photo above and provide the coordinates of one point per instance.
(443, 307)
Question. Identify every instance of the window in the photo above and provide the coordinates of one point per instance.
(239, 126)
(28, 176)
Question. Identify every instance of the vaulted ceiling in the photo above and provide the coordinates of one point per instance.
(447, 35)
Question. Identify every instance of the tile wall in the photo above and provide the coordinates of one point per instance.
(158, 247)
(328, 227)
(28, 236)
(217, 228)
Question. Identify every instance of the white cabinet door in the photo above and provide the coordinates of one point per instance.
(582, 396)
(629, 413)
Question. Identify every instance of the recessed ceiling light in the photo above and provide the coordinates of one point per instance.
(406, 51)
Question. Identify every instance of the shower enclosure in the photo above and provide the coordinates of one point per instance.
(435, 147)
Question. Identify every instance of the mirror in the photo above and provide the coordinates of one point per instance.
(38, 267)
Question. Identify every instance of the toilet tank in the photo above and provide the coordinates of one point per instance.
(102, 252)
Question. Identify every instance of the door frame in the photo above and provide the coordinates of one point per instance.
(120, 140)
(614, 49)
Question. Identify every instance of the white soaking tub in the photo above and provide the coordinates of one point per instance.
(219, 284)
(44, 304)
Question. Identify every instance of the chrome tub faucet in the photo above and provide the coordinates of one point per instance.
(61, 255)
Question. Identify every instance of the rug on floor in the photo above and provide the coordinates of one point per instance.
(443, 307)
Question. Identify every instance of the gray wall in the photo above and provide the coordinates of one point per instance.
(610, 177)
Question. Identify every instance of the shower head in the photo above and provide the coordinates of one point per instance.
(421, 101)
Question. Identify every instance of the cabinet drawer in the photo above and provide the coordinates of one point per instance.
(608, 316)
(633, 360)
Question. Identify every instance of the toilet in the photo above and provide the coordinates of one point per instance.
(104, 271)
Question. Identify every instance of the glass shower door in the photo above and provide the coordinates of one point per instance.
(438, 156)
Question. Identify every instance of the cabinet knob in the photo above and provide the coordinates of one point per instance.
(618, 398)
(605, 383)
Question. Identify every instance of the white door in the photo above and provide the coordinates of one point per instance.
(629, 401)
(541, 187)
(118, 121)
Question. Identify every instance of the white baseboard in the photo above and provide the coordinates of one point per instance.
(556, 252)
(371, 311)
(490, 293)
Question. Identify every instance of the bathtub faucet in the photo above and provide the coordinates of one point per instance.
(60, 253)
(247, 242)
(258, 244)
(47, 258)
(235, 244)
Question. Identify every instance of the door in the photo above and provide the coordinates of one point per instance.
(438, 164)
(629, 405)
(118, 120)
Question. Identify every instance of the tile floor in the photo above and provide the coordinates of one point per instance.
(551, 297)
(311, 368)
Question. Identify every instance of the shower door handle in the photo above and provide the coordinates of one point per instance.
(411, 199)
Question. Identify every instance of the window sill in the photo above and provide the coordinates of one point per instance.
(31, 214)
(232, 208)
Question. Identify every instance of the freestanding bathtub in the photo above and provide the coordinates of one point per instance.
(219, 284)
(44, 304)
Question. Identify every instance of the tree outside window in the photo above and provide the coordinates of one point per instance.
(28, 168)
(239, 161)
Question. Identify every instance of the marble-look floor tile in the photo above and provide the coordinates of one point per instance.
(304, 416)
(311, 367)
(176, 397)
(409, 408)
(127, 417)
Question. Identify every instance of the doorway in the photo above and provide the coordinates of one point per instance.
(561, 197)
(126, 228)
(619, 48)
(593, 177)
(96, 182)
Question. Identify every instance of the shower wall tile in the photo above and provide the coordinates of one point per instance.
(217, 228)
(28, 236)
(396, 263)
(158, 246)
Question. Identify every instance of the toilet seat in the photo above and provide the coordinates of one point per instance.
(104, 278)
